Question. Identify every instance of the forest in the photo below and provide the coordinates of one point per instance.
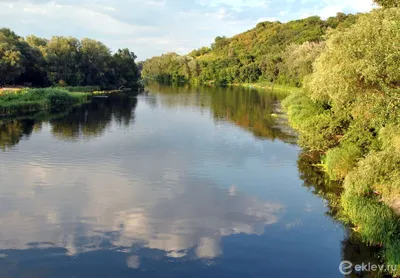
(276, 52)
(347, 111)
(64, 61)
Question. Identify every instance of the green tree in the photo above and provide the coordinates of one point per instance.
(388, 3)
(11, 58)
(62, 55)
(124, 70)
(94, 59)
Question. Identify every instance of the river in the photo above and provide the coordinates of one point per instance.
(174, 182)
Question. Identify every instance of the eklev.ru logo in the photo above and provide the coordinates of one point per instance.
(347, 267)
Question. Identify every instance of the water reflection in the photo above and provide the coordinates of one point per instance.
(181, 182)
(11, 132)
(87, 120)
(82, 216)
(353, 250)
(258, 112)
(137, 191)
(91, 119)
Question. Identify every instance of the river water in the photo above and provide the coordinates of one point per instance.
(175, 182)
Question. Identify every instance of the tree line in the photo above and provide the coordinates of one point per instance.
(272, 51)
(64, 61)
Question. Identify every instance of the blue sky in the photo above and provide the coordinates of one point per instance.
(157, 26)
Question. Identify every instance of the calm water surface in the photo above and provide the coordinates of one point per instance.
(176, 182)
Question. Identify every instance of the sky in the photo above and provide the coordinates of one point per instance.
(153, 27)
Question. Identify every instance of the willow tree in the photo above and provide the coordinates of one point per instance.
(388, 3)
(358, 73)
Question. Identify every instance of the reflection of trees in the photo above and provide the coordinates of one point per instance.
(91, 119)
(179, 95)
(356, 252)
(314, 178)
(12, 131)
(248, 108)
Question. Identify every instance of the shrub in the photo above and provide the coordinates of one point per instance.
(375, 222)
(341, 160)
(34, 100)
(59, 100)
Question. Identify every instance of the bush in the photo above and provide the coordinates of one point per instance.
(374, 221)
(59, 100)
(317, 126)
(379, 172)
(341, 160)
(34, 100)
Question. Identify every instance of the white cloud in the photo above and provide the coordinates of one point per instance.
(235, 4)
(170, 218)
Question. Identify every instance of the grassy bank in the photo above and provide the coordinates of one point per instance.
(270, 86)
(34, 100)
(80, 89)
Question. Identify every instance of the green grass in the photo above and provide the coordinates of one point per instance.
(80, 89)
(34, 100)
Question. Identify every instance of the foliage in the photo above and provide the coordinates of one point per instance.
(388, 3)
(349, 110)
(341, 160)
(264, 53)
(64, 61)
(34, 100)
(297, 62)
(353, 91)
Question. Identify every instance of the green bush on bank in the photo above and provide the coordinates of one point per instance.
(341, 160)
(375, 223)
(33, 100)
(318, 129)
(379, 172)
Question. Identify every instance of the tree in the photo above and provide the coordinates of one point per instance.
(11, 58)
(94, 58)
(388, 3)
(298, 62)
(62, 55)
(124, 68)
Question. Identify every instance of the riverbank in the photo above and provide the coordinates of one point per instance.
(26, 101)
(369, 173)
(264, 85)
(270, 86)
(16, 101)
